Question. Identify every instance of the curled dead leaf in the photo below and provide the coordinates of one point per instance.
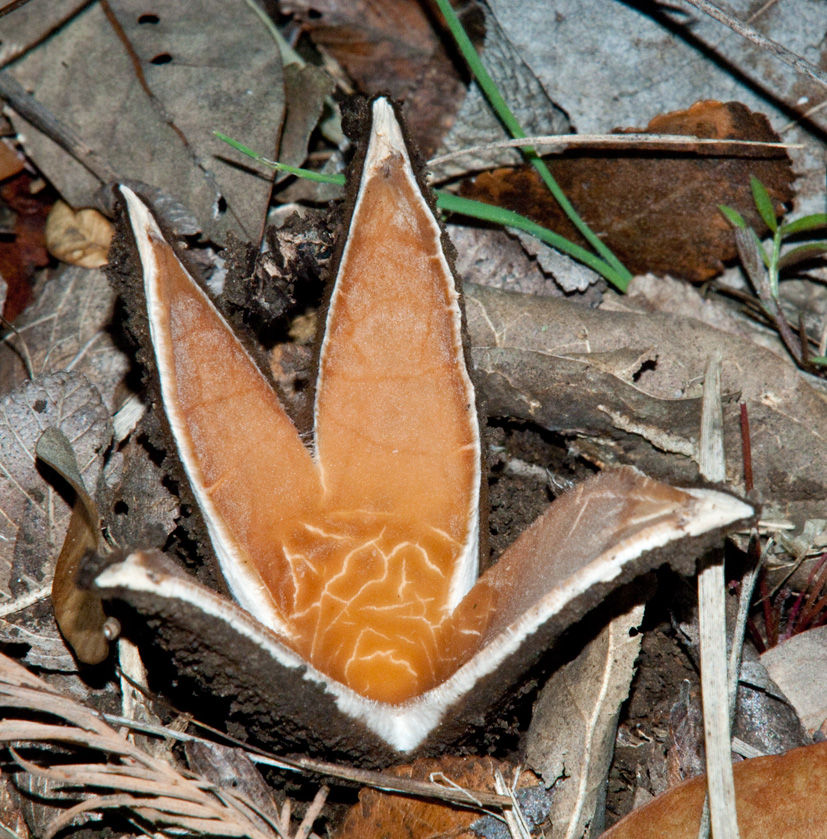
(79, 237)
(78, 612)
(778, 795)
(657, 211)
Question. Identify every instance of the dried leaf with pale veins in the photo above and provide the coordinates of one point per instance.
(33, 517)
(799, 667)
(36, 631)
(67, 329)
(231, 769)
(657, 212)
(566, 368)
(194, 78)
(571, 738)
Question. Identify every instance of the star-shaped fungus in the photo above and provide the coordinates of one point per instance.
(358, 556)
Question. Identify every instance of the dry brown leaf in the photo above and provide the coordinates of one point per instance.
(581, 371)
(799, 667)
(390, 816)
(392, 46)
(657, 211)
(79, 237)
(780, 795)
(67, 328)
(305, 89)
(573, 727)
(144, 89)
(25, 250)
(231, 768)
(11, 161)
(33, 518)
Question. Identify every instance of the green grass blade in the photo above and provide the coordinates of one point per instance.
(763, 203)
(508, 218)
(733, 216)
(465, 206)
(307, 174)
(498, 103)
(811, 250)
(806, 223)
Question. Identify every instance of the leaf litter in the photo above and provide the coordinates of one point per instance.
(662, 364)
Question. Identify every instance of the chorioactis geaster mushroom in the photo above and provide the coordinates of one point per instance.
(362, 627)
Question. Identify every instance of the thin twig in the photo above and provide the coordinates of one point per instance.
(26, 600)
(363, 777)
(778, 50)
(97, 726)
(746, 448)
(561, 142)
(515, 819)
(748, 252)
(23, 351)
(9, 7)
(723, 818)
(46, 122)
(737, 648)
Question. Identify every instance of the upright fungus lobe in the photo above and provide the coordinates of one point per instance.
(360, 555)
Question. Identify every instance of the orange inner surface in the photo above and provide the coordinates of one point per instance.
(369, 607)
(358, 549)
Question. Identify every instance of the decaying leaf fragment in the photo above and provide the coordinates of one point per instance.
(574, 370)
(404, 817)
(33, 518)
(571, 739)
(657, 212)
(779, 795)
(79, 237)
(798, 665)
(78, 612)
(192, 79)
